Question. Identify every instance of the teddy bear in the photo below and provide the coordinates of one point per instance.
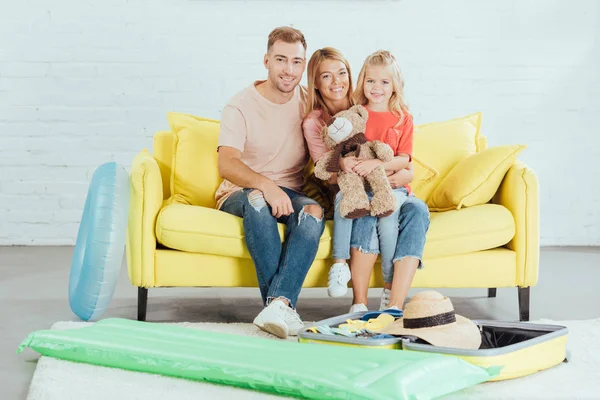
(344, 136)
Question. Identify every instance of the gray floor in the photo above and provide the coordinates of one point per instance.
(34, 287)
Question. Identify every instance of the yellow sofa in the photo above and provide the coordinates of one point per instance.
(177, 238)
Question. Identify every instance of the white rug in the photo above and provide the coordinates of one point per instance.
(56, 379)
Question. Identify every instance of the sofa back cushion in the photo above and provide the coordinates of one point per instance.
(475, 179)
(194, 169)
(441, 145)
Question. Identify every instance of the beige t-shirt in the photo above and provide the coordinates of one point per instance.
(269, 135)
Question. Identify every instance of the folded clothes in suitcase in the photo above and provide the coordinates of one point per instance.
(519, 348)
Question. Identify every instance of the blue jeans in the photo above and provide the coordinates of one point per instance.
(413, 224)
(280, 268)
(344, 231)
(387, 227)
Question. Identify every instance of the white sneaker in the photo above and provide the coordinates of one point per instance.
(385, 299)
(278, 319)
(360, 307)
(258, 321)
(294, 322)
(339, 276)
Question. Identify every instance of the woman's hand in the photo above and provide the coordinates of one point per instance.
(348, 163)
(365, 167)
(402, 177)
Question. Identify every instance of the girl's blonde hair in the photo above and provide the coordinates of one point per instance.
(383, 58)
(315, 100)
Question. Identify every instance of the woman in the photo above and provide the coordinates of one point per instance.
(329, 92)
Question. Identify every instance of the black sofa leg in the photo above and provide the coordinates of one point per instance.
(142, 303)
(524, 296)
(492, 292)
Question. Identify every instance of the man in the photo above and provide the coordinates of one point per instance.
(262, 156)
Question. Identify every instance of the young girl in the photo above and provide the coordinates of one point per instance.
(380, 90)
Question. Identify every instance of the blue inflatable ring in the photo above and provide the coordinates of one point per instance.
(98, 253)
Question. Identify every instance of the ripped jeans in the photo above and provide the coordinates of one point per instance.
(280, 268)
(344, 231)
(406, 238)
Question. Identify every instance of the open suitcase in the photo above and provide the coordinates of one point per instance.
(520, 348)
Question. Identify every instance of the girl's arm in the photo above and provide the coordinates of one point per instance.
(400, 162)
(402, 177)
(404, 148)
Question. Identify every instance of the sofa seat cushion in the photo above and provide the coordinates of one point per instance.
(469, 229)
(204, 230)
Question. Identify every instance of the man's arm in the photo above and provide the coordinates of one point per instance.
(234, 170)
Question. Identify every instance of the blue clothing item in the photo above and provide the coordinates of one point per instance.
(413, 224)
(347, 235)
(280, 268)
(387, 230)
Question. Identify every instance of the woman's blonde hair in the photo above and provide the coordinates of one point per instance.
(315, 100)
(383, 58)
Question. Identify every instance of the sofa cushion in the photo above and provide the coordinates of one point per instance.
(209, 231)
(441, 145)
(423, 176)
(475, 179)
(467, 230)
(194, 172)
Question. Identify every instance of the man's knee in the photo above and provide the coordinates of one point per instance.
(314, 210)
(257, 200)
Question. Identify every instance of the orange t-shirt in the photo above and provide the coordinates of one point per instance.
(382, 126)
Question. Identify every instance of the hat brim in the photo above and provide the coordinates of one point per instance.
(462, 334)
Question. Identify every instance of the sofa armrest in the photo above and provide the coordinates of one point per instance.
(519, 192)
(145, 203)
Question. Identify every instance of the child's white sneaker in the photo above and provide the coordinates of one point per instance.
(385, 299)
(339, 276)
(358, 308)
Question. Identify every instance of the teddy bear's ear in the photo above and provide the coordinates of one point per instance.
(360, 110)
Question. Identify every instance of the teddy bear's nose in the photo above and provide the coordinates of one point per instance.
(331, 121)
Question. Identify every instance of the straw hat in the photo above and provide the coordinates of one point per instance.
(430, 316)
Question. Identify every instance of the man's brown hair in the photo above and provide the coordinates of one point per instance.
(286, 34)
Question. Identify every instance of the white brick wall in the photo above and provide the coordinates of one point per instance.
(85, 82)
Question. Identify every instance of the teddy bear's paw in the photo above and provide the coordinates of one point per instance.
(382, 214)
(358, 213)
(382, 204)
(353, 207)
